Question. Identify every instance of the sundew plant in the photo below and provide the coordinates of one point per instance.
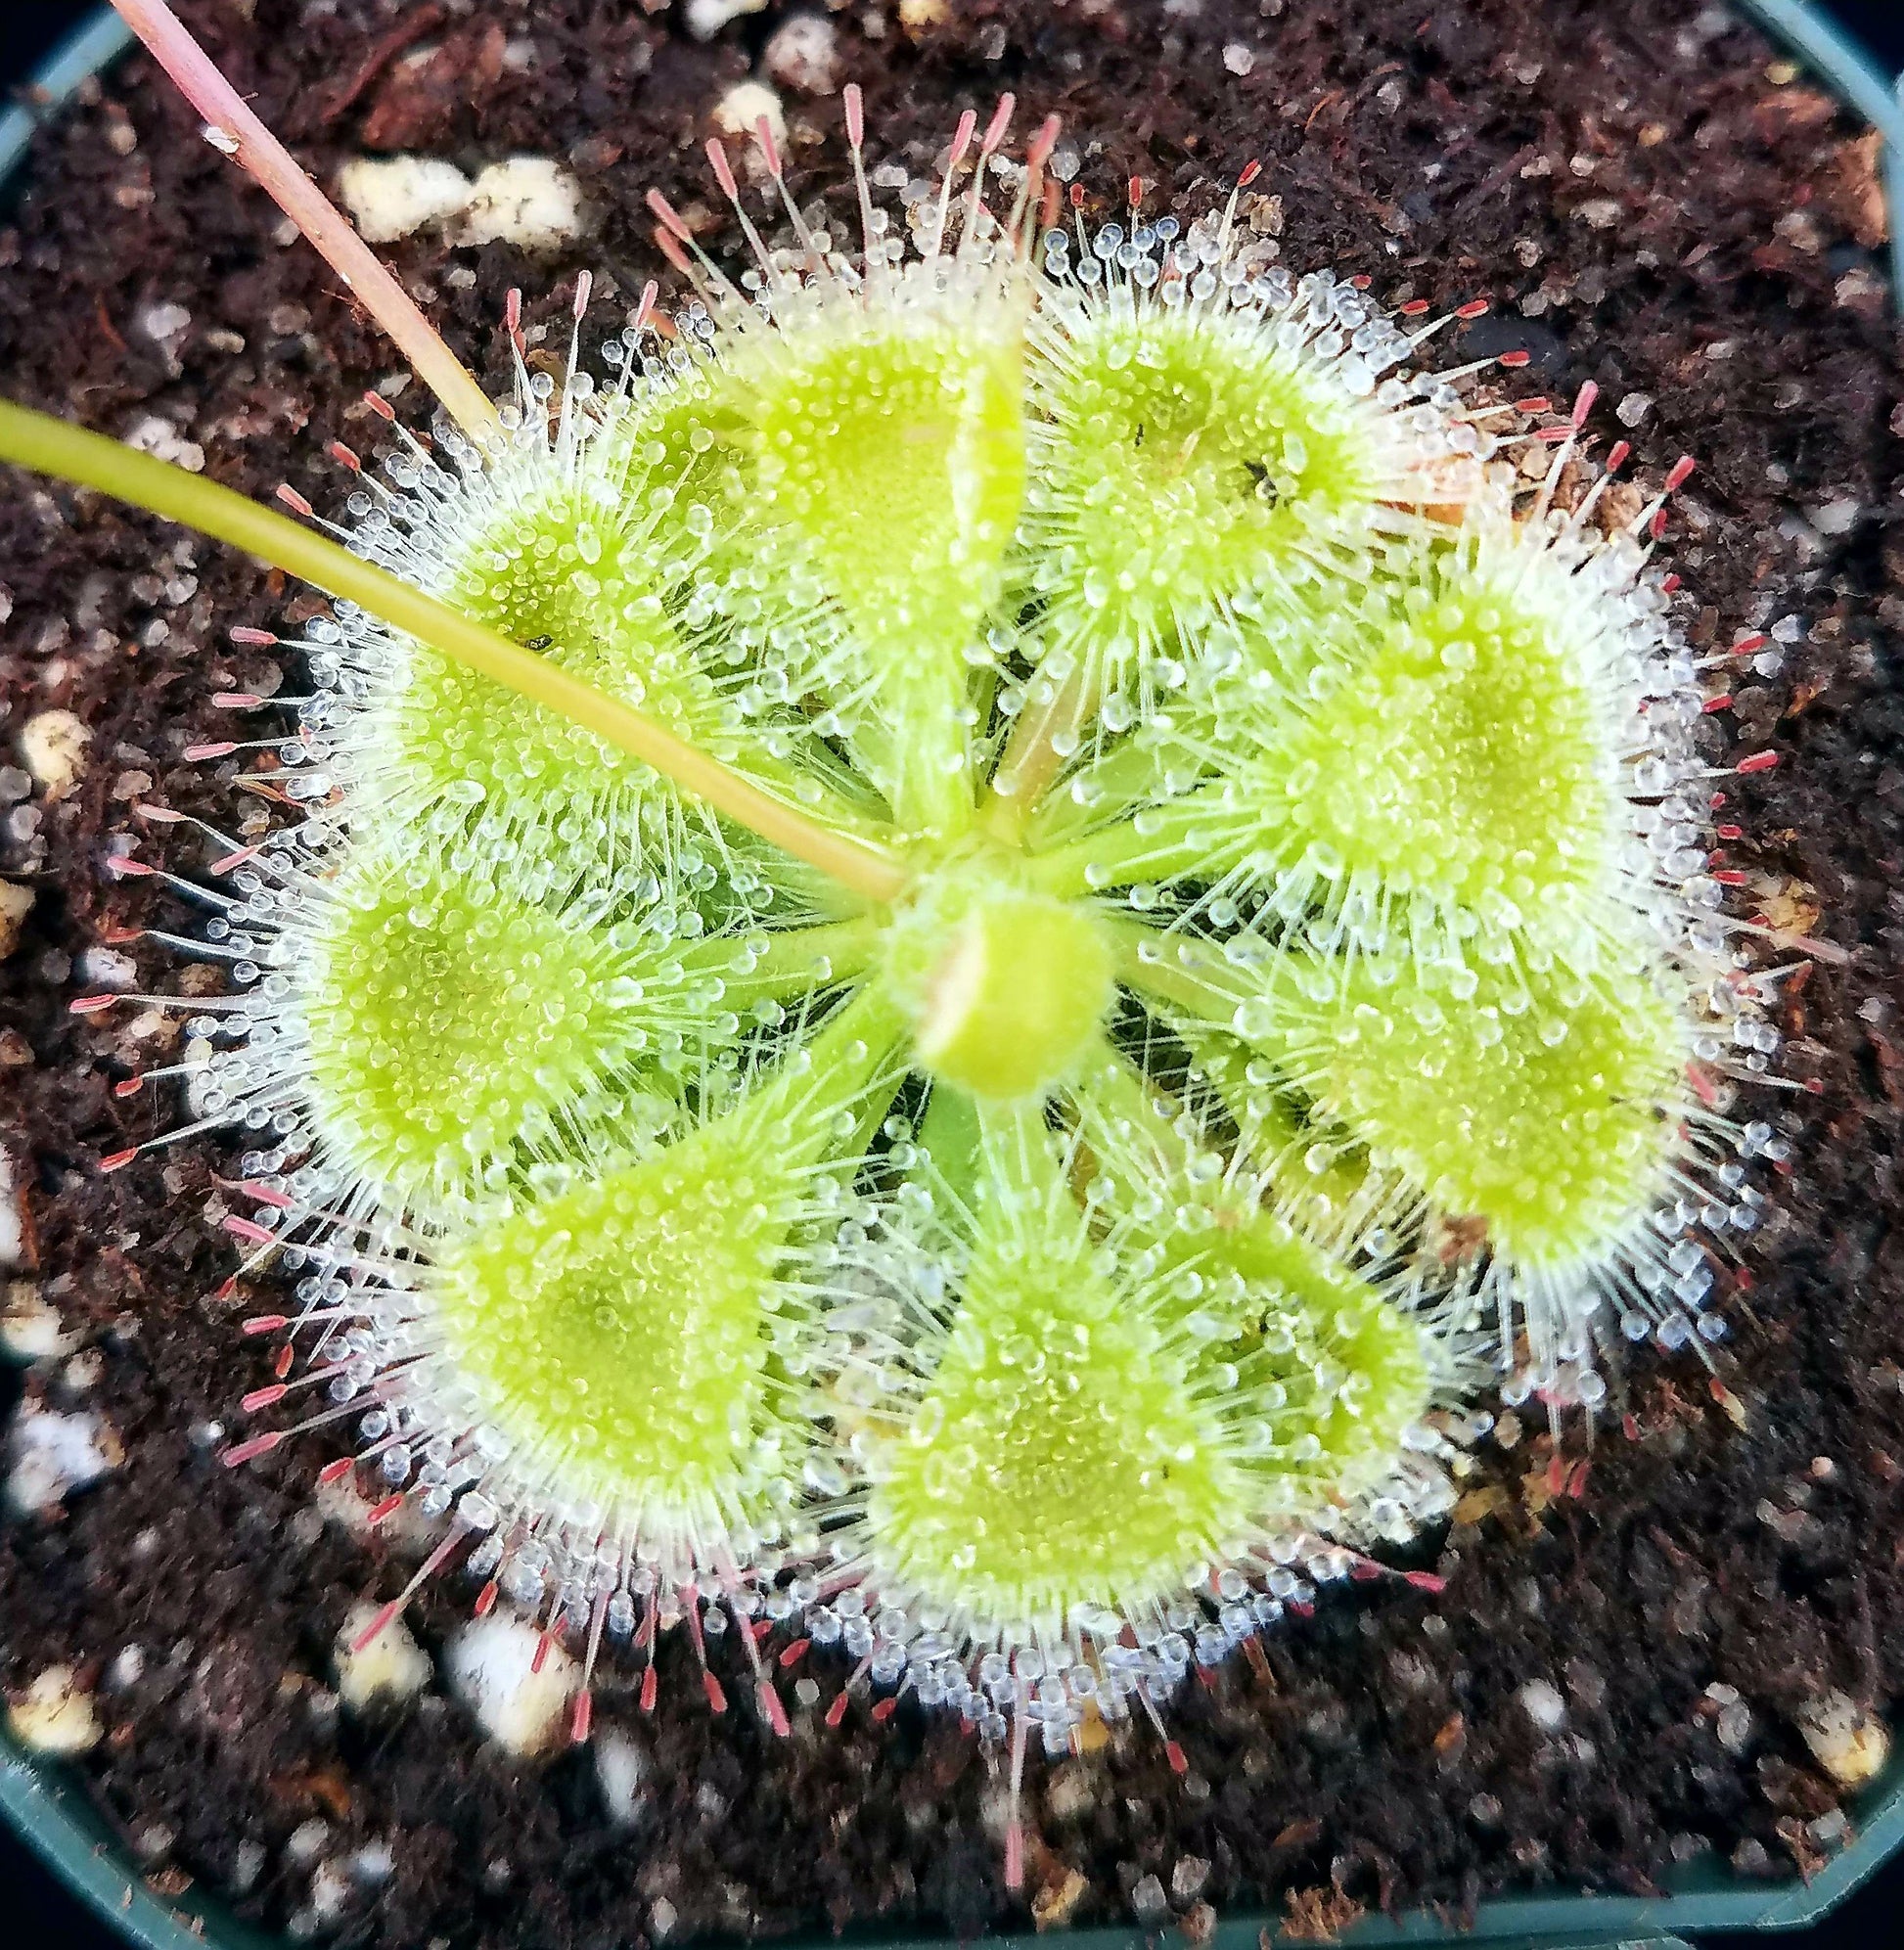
(953, 958)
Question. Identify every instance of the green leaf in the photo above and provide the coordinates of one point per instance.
(1546, 1103)
(895, 449)
(1058, 1458)
(637, 1332)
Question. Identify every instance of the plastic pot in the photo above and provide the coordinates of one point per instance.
(48, 1806)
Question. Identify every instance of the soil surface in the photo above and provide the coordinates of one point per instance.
(1612, 1682)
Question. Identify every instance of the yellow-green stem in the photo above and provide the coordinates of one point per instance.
(791, 959)
(1147, 964)
(1116, 855)
(50, 446)
(1031, 759)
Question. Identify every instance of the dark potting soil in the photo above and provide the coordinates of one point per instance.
(1654, 203)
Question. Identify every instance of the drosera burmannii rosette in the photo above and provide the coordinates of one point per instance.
(1146, 937)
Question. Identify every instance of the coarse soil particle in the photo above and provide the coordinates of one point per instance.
(1652, 206)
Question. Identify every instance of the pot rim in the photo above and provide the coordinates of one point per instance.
(48, 1806)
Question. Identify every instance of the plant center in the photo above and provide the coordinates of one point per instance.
(1005, 987)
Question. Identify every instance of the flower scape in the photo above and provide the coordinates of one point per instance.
(1205, 970)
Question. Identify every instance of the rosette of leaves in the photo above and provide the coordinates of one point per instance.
(1185, 845)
